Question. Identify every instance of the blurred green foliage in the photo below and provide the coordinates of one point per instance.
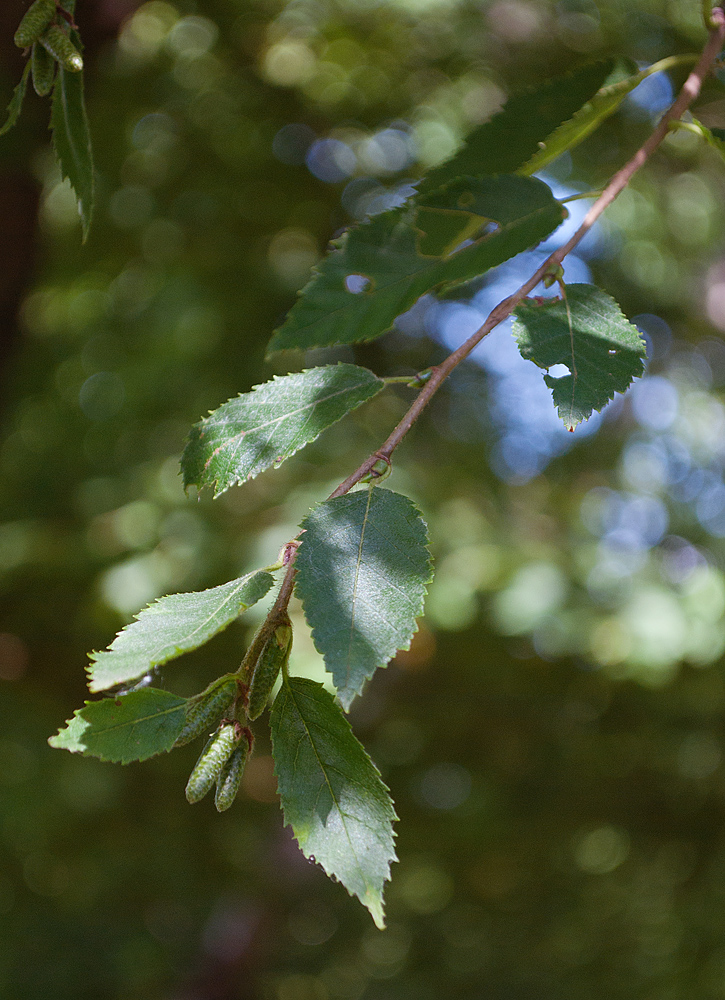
(554, 738)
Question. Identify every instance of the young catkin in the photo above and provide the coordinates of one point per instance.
(38, 17)
(274, 655)
(62, 48)
(216, 753)
(228, 782)
(43, 69)
(204, 711)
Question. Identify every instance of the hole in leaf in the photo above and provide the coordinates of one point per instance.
(490, 227)
(611, 351)
(559, 371)
(357, 283)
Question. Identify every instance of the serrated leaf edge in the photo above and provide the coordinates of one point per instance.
(111, 760)
(238, 481)
(346, 704)
(94, 654)
(410, 206)
(374, 905)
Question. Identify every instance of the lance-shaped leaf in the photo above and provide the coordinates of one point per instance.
(379, 269)
(503, 144)
(16, 101)
(589, 117)
(171, 626)
(72, 140)
(262, 428)
(332, 794)
(599, 346)
(362, 571)
(133, 727)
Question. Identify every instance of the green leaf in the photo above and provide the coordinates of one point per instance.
(714, 137)
(262, 428)
(133, 727)
(72, 140)
(601, 348)
(332, 794)
(16, 101)
(380, 268)
(362, 571)
(503, 144)
(587, 119)
(171, 626)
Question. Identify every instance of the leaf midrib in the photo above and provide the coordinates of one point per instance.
(368, 886)
(285, 416)
(429, 264)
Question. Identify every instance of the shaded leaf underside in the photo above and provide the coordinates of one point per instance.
(602, 349)
(381, 268)
(332, 794)
(505, 143)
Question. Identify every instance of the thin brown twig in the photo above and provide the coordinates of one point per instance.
(690, 89)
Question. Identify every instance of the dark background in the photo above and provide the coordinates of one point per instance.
(553, 740)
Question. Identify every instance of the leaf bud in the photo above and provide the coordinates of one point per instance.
(204, 710)
(43, 67)
(228, 782)
(38, 17)
(213, 757)
(273, 657)
(62, 48)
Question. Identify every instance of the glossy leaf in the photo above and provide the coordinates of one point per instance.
(601, 349)
(504, 143)
(262, 428)
(171, 626)
(332, 794)
(133, 727)
(379, 269)
(16, 101)
(362, 571)
(72, 140)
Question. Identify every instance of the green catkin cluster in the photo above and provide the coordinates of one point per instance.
(214, 756)
(204, 711)
(273, 657)
(62, 48)
(43, 69)
(38, 19)
(230, 778)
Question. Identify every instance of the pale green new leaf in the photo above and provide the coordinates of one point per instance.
(362, 571)
(16, 101)
(601, 348)
(505, 143)
(262, 428)
(379, 269)
(171, 626)
(72, 140)
(332, 794)
(133, 727)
